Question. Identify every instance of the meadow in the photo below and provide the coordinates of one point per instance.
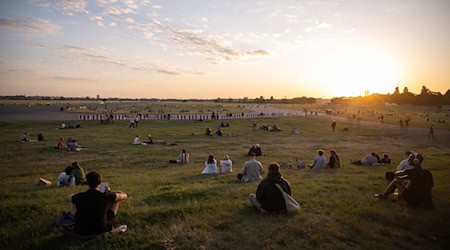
(172, 206)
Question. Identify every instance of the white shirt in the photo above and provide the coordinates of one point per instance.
(404, 165)
(136, 140)
(320, 161)
(227, 166)
(63, 180)
(210, 168)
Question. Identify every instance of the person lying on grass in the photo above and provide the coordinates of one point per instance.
(95, 211)
(368, 160)
(268, 197)
(418, 191)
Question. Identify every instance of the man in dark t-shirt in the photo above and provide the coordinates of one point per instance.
(94, 210)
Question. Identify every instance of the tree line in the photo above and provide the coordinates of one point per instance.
(425, 97)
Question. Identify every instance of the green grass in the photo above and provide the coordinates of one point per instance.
(172, 206)
(392, 113)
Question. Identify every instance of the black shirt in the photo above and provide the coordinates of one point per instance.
(269, 195)
(91, 211)
(419, 193)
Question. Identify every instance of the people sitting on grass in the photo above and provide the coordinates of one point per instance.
(295, 131)
(319, 160)
(95, 211)
(226, 165)
(183, 158)
(64, 178)
(385, 160)
(63, 125)
(270, 127)
(40, 137)
(77, 173)
(224, 124)
(255, 149)
(368, 160)
(252, 170)
(219, 132)
(208, 131)
(268, 197)
(136, 140)
(72, 145)
(334, 160)
(24, 137)
(210, 166)
(61, 144)
(418, 191)
(149, 139)
(404, 164)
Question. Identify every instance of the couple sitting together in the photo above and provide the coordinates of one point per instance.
(211, 165)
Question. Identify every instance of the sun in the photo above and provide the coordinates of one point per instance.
(352, 72)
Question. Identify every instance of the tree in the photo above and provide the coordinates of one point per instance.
(424, 90)
(397, 91)
(405, 90)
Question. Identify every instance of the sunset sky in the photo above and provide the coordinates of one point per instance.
(216, 48)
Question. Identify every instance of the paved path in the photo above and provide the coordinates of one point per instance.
(414, 135)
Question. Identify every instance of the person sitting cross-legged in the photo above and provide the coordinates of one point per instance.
(252, 170)
(95, 211)
(268, 196)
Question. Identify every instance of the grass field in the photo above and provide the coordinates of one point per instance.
(172, 206)
(392, 113)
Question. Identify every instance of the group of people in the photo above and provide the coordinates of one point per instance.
(256, 149)
(71, 176)
(218, 132)
(25, 137)
(134, 121)
(137, 141)
(70, 145)
(320, 161)
(95, 209)
(70, 125)
(212, 168)
(373, 159)
(411, 182)
(270, 127)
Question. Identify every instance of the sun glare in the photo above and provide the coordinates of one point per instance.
(352, 72)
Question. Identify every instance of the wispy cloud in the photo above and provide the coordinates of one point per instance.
(100, 55)
(73, 79)
(35, 25)
(8, 68)
(323, 26)
(69, 7)
(210, 48)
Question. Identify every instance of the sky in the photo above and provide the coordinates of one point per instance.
(210, 49)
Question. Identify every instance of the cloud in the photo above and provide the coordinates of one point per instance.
(210, 48)
(36, 25)
(323, 26)
(100, 55)
(9, 68)
(98, 20)
(72, 79)
(350, 30)
(68, 7)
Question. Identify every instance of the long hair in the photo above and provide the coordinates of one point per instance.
(210, 159)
